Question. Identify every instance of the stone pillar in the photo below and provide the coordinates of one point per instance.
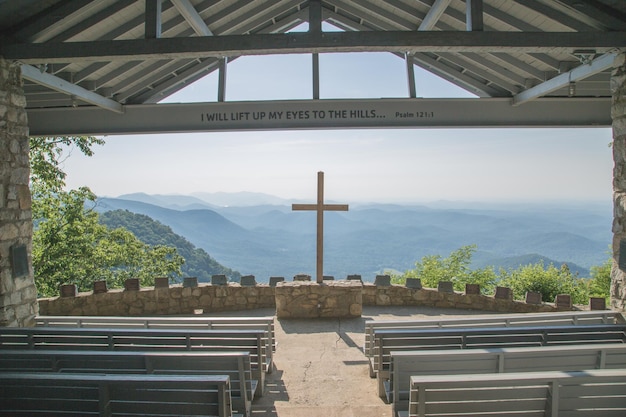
(618, 113)
(18, 295)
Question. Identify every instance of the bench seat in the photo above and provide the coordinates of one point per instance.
(236, 365)
(265, 323)
(493, 320)
(28, 394)
(475, 361)
(161, 340)
(597, 393)
(388, 340)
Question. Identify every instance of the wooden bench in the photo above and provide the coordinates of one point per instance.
(28, 394)
(265, 323)
(492, 320)
(475, 361)
(482, 338)
(235, 365)
(590, 393)
(120, 339)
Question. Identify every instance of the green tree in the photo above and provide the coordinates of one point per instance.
(549, 281)
(456, 268)
(69, 243)
(600, 282)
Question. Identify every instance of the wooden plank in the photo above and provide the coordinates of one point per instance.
(493, 320)
(426, 391)
(171, 395)
(236, 365)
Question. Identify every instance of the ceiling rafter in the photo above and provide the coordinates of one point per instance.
(169, 86)
(579, 73)
(434, 14)
(556, 15)
(191, 15)
(596, 14)
(58, 84)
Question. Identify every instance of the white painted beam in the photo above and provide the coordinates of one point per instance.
(322, 114)
(434, 14)
(191, 15)
(58, 84)
(577, 74)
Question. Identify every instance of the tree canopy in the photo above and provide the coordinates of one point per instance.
(548, 280)
(70, 246)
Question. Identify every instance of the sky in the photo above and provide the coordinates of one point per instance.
(376, 165)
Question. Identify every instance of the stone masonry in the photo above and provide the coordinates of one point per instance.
(18, 295)
(618, 113)
(297, 299)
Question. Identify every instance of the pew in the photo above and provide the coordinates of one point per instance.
(480, 338)
(235, 365)
(123, 339)
(27, 394)
(493, 320)
(597, 393)
(265, 323)
(475, 361)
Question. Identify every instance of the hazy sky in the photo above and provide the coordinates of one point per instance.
(377, 165)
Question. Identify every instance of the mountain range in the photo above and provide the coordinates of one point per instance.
(259, 234)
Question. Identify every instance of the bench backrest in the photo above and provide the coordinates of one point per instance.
(118, 339)
(597, 393)
(387, 340)
(235, 365)
(476, 361)
(492, 320)
(28, 394)
(265, 323)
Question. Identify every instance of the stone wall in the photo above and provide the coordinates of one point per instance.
(234, 297)
(338, 299)
(618, 113)
(161, 301)
(397, 295)
(18, 295)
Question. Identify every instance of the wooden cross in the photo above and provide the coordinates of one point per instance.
(320, 208)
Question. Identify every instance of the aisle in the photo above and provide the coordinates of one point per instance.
(320, 371)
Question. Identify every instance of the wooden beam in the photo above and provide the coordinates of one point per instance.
(291, 43)
(153, 19)
(191, 15)
(577, 74)
(434, 14)
(474, 15)
(58, 84)
(346, 114)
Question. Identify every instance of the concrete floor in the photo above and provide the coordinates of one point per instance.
(320, 369)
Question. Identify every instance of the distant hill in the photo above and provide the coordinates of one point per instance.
(198, 263)
(268, 240)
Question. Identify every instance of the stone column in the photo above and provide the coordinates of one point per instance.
(18, 295)
(618, 113)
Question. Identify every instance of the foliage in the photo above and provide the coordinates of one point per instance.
(549, 281)
(198, 263)
(45, 159)
(69, 244)
(600, 282)
(456, 268)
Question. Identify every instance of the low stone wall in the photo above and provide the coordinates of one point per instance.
(338, 299)
(211, 298)
(161, 301)
(397, 295)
